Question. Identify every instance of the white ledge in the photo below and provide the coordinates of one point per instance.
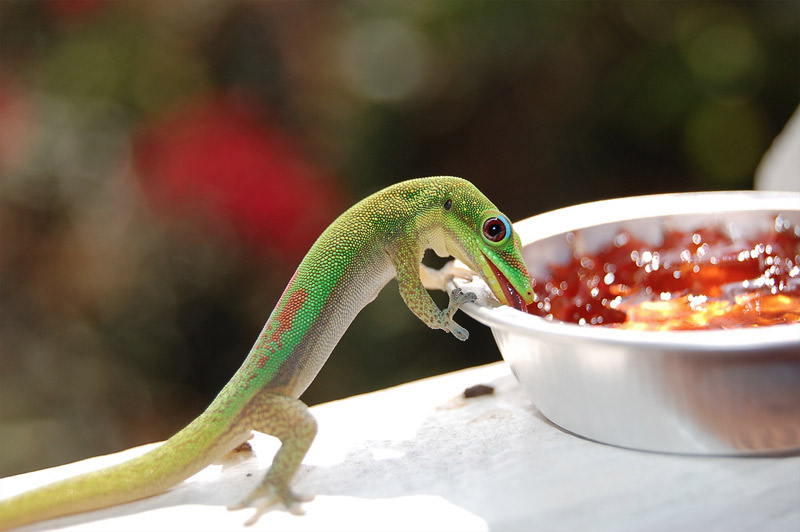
(422, 457)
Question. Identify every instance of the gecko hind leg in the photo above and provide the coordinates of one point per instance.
(290, 421)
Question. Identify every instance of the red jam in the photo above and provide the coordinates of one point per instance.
(702, 279)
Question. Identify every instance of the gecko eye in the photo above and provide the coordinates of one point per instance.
(448, 204)
(496, 229)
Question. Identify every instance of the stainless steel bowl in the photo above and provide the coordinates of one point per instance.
(731, 391)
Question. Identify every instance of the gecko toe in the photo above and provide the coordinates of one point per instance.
(269, 497)
(458, 297)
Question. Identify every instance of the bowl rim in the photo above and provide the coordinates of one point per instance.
(601, 212)
(607, 211)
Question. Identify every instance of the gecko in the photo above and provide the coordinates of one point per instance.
(382, 237)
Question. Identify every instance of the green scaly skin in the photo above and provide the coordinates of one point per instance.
(382, 237)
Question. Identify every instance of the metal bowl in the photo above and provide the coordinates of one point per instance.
(733, 391)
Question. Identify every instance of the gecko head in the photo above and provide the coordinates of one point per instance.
(480, 236)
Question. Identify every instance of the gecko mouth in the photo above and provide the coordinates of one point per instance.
(503, 289)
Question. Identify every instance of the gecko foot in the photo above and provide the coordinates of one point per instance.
(457, 298)
(434, 279)
(268, 496)
(451, 271)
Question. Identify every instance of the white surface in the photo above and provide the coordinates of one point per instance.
(421, 457)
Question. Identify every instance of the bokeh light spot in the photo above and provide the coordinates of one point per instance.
(722, 53)
(384, 59)
(725, 141)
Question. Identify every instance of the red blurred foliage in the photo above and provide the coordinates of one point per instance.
(215, 158)
(67, 10)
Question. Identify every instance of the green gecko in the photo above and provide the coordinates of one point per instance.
(382, 237)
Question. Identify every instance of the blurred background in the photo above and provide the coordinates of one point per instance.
(164, 166)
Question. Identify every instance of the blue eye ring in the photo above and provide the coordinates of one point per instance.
(496, 230)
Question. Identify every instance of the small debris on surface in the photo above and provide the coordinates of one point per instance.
(477, 390)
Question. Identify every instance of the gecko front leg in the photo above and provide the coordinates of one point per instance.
(416, 297)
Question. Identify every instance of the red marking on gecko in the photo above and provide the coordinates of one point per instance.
(280, 324)
(288, 312)
(284, 321)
